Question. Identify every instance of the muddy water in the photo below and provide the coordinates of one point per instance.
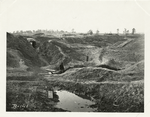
(35, 96)
(71, 102)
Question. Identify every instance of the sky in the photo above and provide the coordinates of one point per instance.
(105, 16)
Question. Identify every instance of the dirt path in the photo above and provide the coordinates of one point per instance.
(61, 51)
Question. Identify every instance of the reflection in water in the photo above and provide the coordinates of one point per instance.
(72, 102)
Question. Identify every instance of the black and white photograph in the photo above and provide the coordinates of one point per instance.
(75, 56)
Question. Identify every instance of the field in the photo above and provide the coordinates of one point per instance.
(107, 70)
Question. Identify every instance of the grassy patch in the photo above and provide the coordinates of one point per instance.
(29, 96)
(22, 78)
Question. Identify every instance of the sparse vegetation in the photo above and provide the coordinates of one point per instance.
(107, 69)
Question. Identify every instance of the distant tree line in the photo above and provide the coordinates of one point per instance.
(53, 32)
(29, 32)
(127, 31)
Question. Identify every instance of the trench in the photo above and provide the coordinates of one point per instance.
(109, 67)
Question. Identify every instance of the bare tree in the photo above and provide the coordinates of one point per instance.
(97, 32)
(73, 31)
(133, 31)
(90, 32)
(125, 31)
(118, 31)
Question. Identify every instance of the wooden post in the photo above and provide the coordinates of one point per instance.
(50, 94)
(87, 58)
(61, 67)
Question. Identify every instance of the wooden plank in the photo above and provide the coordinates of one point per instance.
(50, 94)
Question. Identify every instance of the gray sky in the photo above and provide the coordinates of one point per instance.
(81, 16)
